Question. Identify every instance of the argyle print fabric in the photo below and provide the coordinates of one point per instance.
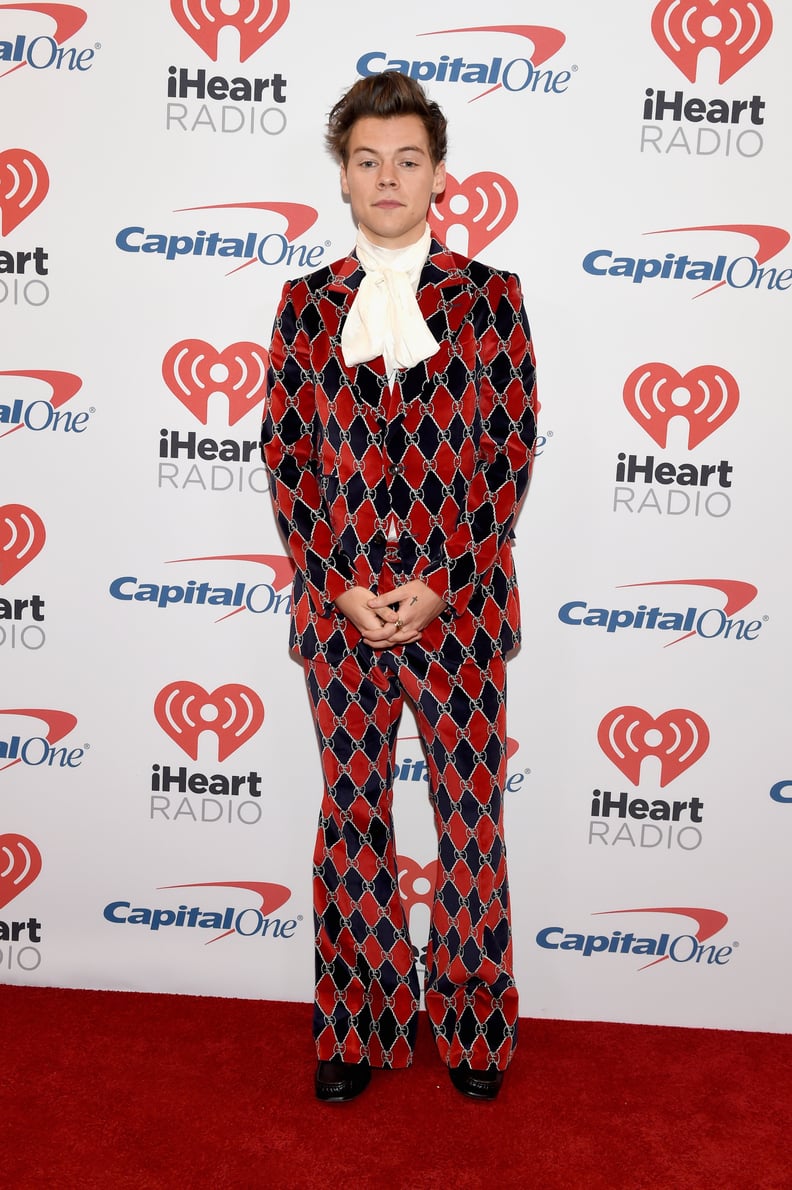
(366, 982)
(445, 452)
(376, 483)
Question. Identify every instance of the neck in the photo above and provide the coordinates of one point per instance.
(405, 257)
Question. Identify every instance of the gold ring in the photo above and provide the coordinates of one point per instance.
(399, 625)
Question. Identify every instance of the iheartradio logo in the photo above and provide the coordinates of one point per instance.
(22, 537)
(705, 397)
(485, 204)
(678, 738)
(24, 183)
(20, 864)
(737, 29)
(256, 21)
(416, 884)
(194, 370)
(232, 713)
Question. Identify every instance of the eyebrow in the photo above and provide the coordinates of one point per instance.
(403, 149)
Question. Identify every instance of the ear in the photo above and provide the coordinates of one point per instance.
(344, 182)
(439, 181)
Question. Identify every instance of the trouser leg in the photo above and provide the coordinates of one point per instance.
(471, 997)
(367, 989)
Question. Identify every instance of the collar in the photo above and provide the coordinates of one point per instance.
(442, 269)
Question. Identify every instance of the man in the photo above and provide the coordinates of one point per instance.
(398, 432)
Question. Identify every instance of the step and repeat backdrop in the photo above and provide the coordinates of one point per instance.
(162, 173)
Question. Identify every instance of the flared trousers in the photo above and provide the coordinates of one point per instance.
(367, 989)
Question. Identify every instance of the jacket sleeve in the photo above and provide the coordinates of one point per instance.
(506, 406)
(289, 450)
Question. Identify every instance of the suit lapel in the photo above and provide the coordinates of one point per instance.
(444, 294)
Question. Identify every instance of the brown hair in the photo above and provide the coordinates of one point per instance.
(383, 95)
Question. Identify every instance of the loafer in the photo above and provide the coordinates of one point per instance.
(338, 1082)
(478, 1084)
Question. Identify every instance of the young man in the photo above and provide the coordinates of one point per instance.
(398, 432)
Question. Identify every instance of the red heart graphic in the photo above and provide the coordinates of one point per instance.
(256, 21)
(410, 874)
(24, 183)
(240, 374)
(712, 397)
(485, 204)
(22, 537)
(738, 30)
(185, 710)
(20, 864)
(684, 738)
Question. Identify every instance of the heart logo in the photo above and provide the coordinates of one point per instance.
(737, 29)
(705, 397)
(193, 370)
(24, 183)
(416, 883)
(485, 204)
(22, 537)
(185, 710)
(256, 21)
(678, 738)
(20, 864)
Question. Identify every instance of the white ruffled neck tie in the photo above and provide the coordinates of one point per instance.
(384, 318)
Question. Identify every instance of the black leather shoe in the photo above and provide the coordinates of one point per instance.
(337, 1081)
(478, 1084)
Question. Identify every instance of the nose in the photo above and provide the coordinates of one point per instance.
(386, 178)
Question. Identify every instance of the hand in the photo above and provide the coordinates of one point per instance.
(406, 610)
(376, 627)
(395, 617)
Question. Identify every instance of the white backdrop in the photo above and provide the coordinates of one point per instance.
(161, 175)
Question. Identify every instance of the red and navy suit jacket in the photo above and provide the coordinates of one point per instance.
(445, 450)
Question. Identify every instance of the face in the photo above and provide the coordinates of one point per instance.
(390, 178)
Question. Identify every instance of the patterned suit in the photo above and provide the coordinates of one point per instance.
(375, 484)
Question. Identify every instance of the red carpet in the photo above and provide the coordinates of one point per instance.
(113, 1090)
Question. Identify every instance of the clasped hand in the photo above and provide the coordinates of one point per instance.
(396, 617)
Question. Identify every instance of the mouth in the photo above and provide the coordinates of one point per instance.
(387, 204)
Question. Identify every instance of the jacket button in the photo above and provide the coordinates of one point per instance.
(379, 538)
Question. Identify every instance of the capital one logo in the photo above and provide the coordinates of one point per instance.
(484, 205)
(184, 710)
(705, 397)
(39, 414)
(736, 29)
(22, 537)
(24, 183)
(272, 896)
(20, 864)
(194, 370)
(682, 949)
(37, 749)
(678, 738)
(256, 21)
(517, 75)
(273, 248)
(68, 20)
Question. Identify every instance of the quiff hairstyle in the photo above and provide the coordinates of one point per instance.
(384, 95)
